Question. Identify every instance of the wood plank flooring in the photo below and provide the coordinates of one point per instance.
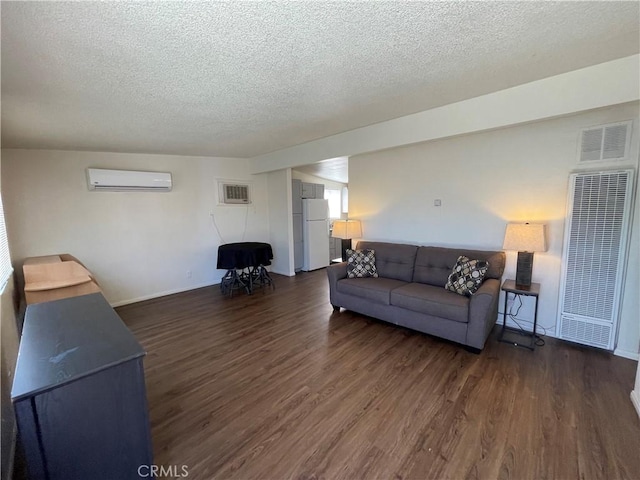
(276, 385)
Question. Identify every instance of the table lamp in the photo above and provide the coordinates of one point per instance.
(525, 238)
(346, 230)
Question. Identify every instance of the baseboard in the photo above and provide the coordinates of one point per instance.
(635, 399)
(161, 294)
(177, 290)
(278, 272)
(626, 354)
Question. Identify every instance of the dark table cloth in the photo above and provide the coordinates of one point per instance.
(244, 254)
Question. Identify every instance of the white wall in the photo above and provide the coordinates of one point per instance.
(629, 334)
(138, 244)
(281, 221)
(484, 181)
(635, 394)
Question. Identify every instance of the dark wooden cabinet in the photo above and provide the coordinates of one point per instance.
(79, 393)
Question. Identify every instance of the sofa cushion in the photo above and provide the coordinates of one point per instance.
(467, 276)
(377, 290)
(393, 260)
(431, 300)
(434, 264)
(361, 263)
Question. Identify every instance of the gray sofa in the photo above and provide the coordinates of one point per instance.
(409, 291)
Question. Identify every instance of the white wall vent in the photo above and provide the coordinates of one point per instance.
(128, 180)
(586, 331)
(605, 142)
(234, 193)
(594, 256)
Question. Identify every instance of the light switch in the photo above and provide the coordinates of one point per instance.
(437, 202)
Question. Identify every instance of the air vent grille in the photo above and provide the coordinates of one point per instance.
(594, 256)
(605, 142)
(597, 219)
(236, 194)
(586, 332)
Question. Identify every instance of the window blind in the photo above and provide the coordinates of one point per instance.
(5, 259)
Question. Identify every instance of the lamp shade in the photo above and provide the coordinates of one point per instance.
(347, 229)
(525, 237)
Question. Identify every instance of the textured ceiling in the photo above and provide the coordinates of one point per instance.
(241, 79)
(336, 169)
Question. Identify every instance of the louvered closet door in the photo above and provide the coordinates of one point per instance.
(594, 256)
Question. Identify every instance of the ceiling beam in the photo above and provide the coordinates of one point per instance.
(598, 86)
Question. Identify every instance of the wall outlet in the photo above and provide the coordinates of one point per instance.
(188, 273)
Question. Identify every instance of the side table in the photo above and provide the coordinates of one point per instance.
(511, 335)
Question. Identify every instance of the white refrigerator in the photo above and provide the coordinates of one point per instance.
(315, 233)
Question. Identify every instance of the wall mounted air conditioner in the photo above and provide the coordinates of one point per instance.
(232, 192)
(127, 180)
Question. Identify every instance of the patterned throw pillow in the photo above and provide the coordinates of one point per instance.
(467, 276)
(361, 263)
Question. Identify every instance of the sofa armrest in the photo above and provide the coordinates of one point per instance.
(483, 312)
(335, 272)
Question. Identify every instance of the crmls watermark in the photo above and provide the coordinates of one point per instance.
(153, 471)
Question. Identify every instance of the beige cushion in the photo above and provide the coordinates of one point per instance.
(44, 259)
(48, 276)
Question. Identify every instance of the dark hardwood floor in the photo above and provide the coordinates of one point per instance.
(276, 385)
